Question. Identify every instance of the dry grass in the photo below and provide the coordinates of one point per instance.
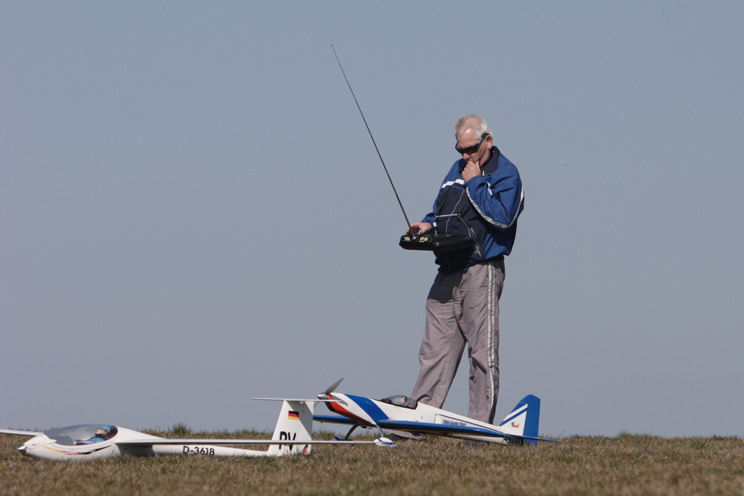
(626, 464)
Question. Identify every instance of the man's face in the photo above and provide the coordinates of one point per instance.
(469, 139)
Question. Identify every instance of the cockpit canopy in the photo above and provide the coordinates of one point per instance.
(82, 434)
(401, 400)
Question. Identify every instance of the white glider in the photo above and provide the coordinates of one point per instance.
(292, 435)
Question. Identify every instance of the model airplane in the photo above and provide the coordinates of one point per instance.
(292, 435)
(402, 413)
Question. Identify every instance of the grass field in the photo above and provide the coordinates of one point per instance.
(624, 465)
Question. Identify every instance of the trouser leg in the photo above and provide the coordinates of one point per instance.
(481, 289)
(443, 342)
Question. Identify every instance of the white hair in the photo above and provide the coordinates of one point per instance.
(475, 122)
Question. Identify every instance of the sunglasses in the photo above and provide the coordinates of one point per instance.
(471, 149)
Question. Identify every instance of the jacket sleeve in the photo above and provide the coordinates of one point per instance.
(430, 218)
(453, 173)
(498, 198)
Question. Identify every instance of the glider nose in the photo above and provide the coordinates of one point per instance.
(22, 449)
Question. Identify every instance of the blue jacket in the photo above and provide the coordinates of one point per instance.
(486, 208)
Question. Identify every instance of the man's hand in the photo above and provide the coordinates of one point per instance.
(471, 170)
(419, 228)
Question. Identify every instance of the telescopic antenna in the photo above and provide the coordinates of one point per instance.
(373, 141)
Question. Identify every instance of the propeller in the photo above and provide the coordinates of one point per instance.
(329, 390)
(333, 387)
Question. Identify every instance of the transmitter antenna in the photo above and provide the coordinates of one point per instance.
(410, 230)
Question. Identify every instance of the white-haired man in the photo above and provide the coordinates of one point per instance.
(481, 197)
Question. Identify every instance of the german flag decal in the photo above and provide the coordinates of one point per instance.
(294, 415)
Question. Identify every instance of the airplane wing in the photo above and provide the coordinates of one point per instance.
(152, 442)
(302, 400)
(425, 427)
(453, 430)
(336, 419)
(20, 433)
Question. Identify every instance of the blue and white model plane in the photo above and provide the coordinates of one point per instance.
(401, 413)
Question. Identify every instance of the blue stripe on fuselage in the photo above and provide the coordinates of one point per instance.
(368, 406)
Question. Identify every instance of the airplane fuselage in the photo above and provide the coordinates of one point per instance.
(386, 414)
(71, 443)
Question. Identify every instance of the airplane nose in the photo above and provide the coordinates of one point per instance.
(22, 449)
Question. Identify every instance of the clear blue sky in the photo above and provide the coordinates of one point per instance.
(192, 213)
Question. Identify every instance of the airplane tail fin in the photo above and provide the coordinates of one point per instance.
(295, 422)
(523, 421)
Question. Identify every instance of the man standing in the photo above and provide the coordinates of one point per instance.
(481, 198)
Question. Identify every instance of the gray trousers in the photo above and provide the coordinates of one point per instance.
(463, 308)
